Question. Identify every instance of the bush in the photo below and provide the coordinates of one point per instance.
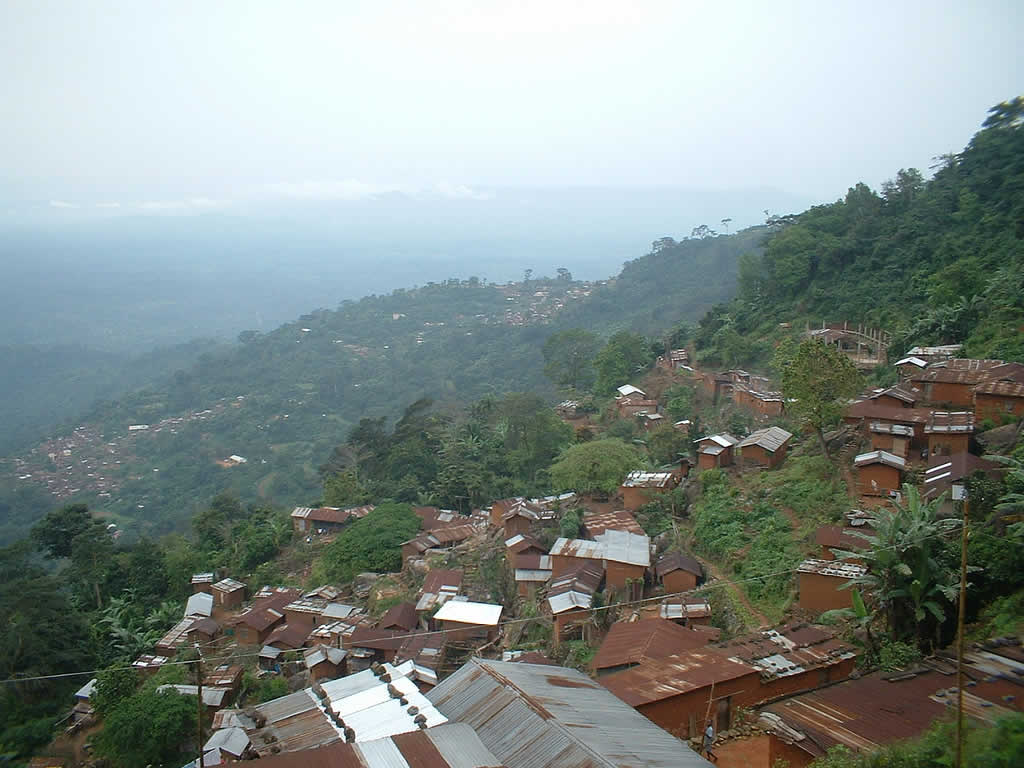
(372, 543)
(894, 655)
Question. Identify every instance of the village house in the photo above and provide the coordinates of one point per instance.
(439, 538)
(518, 519)
(866, 413)
(715, 451)
(766, 447)
(639, 487)
(878, 473)
(674, 692)
(833, 537)
(823, 584)
(763, 403)
(228, 594)
(999, 401)
(254, 625)
(368, 645)
(596, 523)
(540, 716)
(440, 585)
(499, 508)
(678, 572)
(951, 383)
(891, 438)
(426, 651)
(630, 643)
(288, 637)
(908, 366)
(305, 612)
(629, 407)
(521, 544)
(896, 397)
(949, 432)
(325, 662)
(675, 360)
(882, 708)
(624, 557)
(202, 582)
(945, 471)
(571, 595)
(689, 611)
(628, 390)
(466, 621)
(306, 520)
(531, 572)
(400, 617)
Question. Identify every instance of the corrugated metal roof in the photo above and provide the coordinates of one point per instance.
(620, 520)
(950, 422)
(199, 604)
(913, 361)
(769, 438)
(338, 611)
(632, 642)
(1001, 388)
(581, 548)
(837, 568)
(723, 439)
(625, 547)
(466, 612)
(880, 457)
(642, 479)
(883, 428)
(537, 716)
(232, 740)
(228, 585)
(401, 616)
(668, 677)
(897, 393)
(628, 389)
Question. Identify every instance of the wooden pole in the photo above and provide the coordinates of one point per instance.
(199, 705)
(960, 641)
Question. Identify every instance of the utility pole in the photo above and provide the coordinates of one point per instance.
(960, 492)
(199, 704)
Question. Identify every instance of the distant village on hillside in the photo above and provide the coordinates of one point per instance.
(447, 676)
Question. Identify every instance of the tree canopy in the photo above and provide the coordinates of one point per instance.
(598, 466)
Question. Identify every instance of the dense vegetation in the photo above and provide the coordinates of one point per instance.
(932, 261)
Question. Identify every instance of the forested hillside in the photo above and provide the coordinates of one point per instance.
(936, 261)
(284, 399)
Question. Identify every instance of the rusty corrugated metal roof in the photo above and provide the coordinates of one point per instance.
(633, 642)
(680, 673)
(620, 520)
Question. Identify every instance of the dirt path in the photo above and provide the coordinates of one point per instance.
(713, 571)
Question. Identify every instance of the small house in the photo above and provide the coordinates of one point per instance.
(715, 451)
(896, 397)
(766, 447)
(951, 383)
(596, 523)
(879, 473)
(891, 437)
(949, 432)
(325, 662)
(571, 595)
(630, 643)
(228, 594)
(639, 487)
(907, 367)
(823, 584)
(463, 620)
(307, 520)
(400, 617)
(678, 572)
(202, 582)
(833, 537)
(531, 571)
(628, 390)
(999, 400)
(627, 556)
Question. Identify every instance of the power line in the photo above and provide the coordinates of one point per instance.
(427, 633)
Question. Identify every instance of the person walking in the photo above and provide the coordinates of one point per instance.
(709, 740)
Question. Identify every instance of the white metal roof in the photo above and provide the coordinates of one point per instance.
(723, 439)
(566, 601)
(233, 740)
(838, 568)
(86, 690)
(913, 361)
(592, 550)
(522, 574)
(640, 479)
(466, 612)
(199, 604)
(338, 611)
(628, 389)
(626, 547)
(880, 457)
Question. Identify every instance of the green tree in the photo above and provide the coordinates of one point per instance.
(819, 379)
(569, 358)
(372, 543)
(147, 728)
(598, 466)
(625, 356)
(55, 532)
(909, 577)
(113, 686)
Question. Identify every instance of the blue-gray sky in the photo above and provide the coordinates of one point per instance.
(155, 105)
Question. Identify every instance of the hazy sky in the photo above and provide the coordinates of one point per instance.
(205, 102)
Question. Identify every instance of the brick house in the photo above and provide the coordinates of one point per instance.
(999, 400)
(766, 447)
(715, 451)
(949, 432)
(639, 487)
(821, 584)
(678, 572)
(878, 473)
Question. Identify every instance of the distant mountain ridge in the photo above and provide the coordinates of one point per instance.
(296, 391)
